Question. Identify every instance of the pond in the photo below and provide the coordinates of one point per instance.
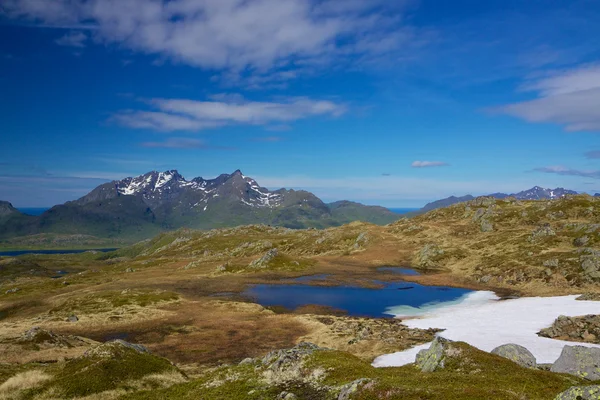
(355, 300)
(23, 252)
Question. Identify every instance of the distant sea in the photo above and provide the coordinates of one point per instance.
(33, 211)
(402, 210)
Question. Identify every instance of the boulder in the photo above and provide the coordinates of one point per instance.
(287, 396)
(516, 353)
(580, 361)
(263, 262)
(429, 256)
(278, 360)
(351, 388)
(434, 358)
(580, 393)
(115, 349)
(581, 241)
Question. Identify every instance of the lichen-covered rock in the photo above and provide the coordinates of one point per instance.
(429, 256)
(286, 396)
(486, 226)
(541, 232)
(580, 361)
(580, 393)
(361, 240)
(434, 358)
(516, 353)
(552, 263)
(590, 264)
(263, 262)
(115, 348)
(581, 241)
(351, 388)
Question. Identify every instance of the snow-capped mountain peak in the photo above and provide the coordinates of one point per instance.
(159, 187)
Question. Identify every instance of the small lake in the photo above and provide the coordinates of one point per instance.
(354, 300)
(23, 252)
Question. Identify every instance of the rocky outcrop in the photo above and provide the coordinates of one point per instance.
(578, 329)
(434, 358)
(590, 264)
(516, 353)
(287, 365)
(353, 387)
(429, 256)
(580, 361)
(115, 349)
(264, 261)
(580, 393)
(542, 232)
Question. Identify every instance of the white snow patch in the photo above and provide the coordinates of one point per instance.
(483, 321)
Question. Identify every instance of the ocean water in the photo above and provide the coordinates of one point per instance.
(354, 300)
(402, 210)
(33, 211)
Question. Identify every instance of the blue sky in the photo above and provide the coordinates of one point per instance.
(384, 102)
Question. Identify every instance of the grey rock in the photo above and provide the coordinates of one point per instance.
(516, 353)
(263, 262)
(581, 241)
(280, 360)
(580, 393)
(72, 318)
(541, 232)
(590, 264)
(434, 358)
(552, 263)
(247, 361)
(486, 226)
(429, 255)
(580, 361)
(286, 396)
(137, 347)
(351, 388)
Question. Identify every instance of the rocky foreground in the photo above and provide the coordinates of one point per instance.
(447, 370)
(180, 296)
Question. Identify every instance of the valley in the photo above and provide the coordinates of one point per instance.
(186, 296)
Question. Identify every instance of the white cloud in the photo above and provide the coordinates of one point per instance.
(570, 98)
(428, 164)
(192, 115)
(183, 143)
(72, 39)
(561, 170)
(235, 34)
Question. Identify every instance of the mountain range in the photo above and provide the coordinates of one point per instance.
(139, 207)
(535, 193)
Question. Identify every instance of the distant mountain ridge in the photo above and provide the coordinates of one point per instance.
(140, 207)
(535, 193)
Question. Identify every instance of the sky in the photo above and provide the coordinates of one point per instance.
(389, 102)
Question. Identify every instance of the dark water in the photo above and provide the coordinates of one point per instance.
(356, 301)
(399, 270)
(33, 211)
(402, 210)
(22, 252)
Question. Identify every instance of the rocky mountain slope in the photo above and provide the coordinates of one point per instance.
(535, 193)
(141, 207)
